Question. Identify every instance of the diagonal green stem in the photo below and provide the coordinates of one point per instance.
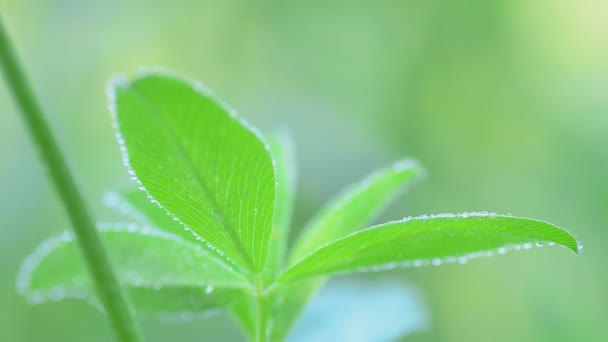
(108, 288)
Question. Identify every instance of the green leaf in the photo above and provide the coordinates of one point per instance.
(181, 302)
(428, 240)
(353, 209)
(244, 313)
(347, 213)
(135, 205)
(201, 163)
(282, 148)
(163, 273)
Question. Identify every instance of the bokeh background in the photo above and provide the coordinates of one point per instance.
(505, 102)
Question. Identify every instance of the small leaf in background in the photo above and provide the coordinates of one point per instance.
(244, 313)
(180, 303)
(361, 311)
(198, 161)
(164, 273)
(288, 301)
(429, 240)
(350, 211)
(282, 148)
(135, 205)
(358, 205)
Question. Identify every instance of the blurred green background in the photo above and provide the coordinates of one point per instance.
(505, 102)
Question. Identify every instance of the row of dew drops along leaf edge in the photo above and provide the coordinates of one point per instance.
(80, 291)
(121, 81)
(461, 259)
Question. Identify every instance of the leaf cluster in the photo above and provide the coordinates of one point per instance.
(208, 227)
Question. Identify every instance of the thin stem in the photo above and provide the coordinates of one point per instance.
(108, 288)
(261, 310)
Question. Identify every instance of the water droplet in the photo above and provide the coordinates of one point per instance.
(208, 289)
(451, 260)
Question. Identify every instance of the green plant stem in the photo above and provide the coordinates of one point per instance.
(261, 310)
(108, 288)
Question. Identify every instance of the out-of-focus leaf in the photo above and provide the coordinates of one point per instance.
(361, 311)
(428, 240)
(181, 302)
(353, 209)
(345, 214)
(287, 302)
(164, 274)
(283, 151)
(200, 162)
(135, 205)
(243, 312)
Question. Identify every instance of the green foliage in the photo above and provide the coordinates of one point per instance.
(355, 207)
(348, 212)
(212, 171)
(164, 274)
(427, 240)
(219, 238)
(283, 152)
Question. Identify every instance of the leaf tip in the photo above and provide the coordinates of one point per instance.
(579, 247)
(412, 165)
(146, 71)
(116, 82)
(568, 240)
